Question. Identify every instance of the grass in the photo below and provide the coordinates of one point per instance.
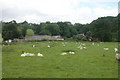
(88, 63)
(0, 57)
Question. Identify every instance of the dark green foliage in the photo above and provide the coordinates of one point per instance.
(104, 28)
(10, 31)
(53, 28)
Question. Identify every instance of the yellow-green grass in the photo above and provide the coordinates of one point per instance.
(88, 63)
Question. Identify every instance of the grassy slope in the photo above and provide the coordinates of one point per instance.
(84, 64)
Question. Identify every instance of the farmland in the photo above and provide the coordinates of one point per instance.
(89, 63)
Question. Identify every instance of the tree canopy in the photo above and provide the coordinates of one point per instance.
(104, 28)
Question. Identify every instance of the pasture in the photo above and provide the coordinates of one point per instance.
(89, 63)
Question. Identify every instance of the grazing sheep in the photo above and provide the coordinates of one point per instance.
(33, 45)
(83, 44)
(9, 41)
(6, 41)
(80, 47)
(22, 54)
(72, 52)
(48, 46)
(117, 56)
(84, 48)
(27, 54)
(32, 54)
(63, 53)
(64, 45)
(106, 49)
(40, 54)
(93, 43)
(116, 50)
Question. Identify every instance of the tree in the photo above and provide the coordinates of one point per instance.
(64, 29)
(53, 28)
(10, 31)
(30, 32)
(79, 28)
(101, 29)
(45, 32)
(23, 26)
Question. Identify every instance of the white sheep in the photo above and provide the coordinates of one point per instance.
(27, 54)
(84, 48)
(83, 44)
(9, 41)
(72, 52)
(6, 41)
(22, 54)
(117, 56)
(33, 45)
(40, 54)
(63, 53)
(32, 54)
(106, 49)
(116, 50)
(93, 43)
(81, 48)
(48, 46)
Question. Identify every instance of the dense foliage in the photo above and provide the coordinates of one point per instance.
(104, 28)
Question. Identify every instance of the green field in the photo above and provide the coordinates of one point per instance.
(88, 63)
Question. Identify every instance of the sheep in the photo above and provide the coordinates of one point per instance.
(22, 54)
(72, 52)
(31, 54)
(9, 41)
(106, 49)
(83, 44)
(63, 53)
(117, 56)
(84, 48)
(81, 48)
(93, 43)
(33, 45)
(40, 54)
(48, 46)
(6, 41)
(27, 54)
(116, 50)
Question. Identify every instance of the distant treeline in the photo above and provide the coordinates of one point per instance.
(104, 28)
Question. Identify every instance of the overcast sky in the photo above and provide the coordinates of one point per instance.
(75, 11)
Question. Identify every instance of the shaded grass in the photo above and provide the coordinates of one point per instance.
(84, 64)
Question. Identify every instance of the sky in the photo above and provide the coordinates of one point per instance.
(75, 11)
